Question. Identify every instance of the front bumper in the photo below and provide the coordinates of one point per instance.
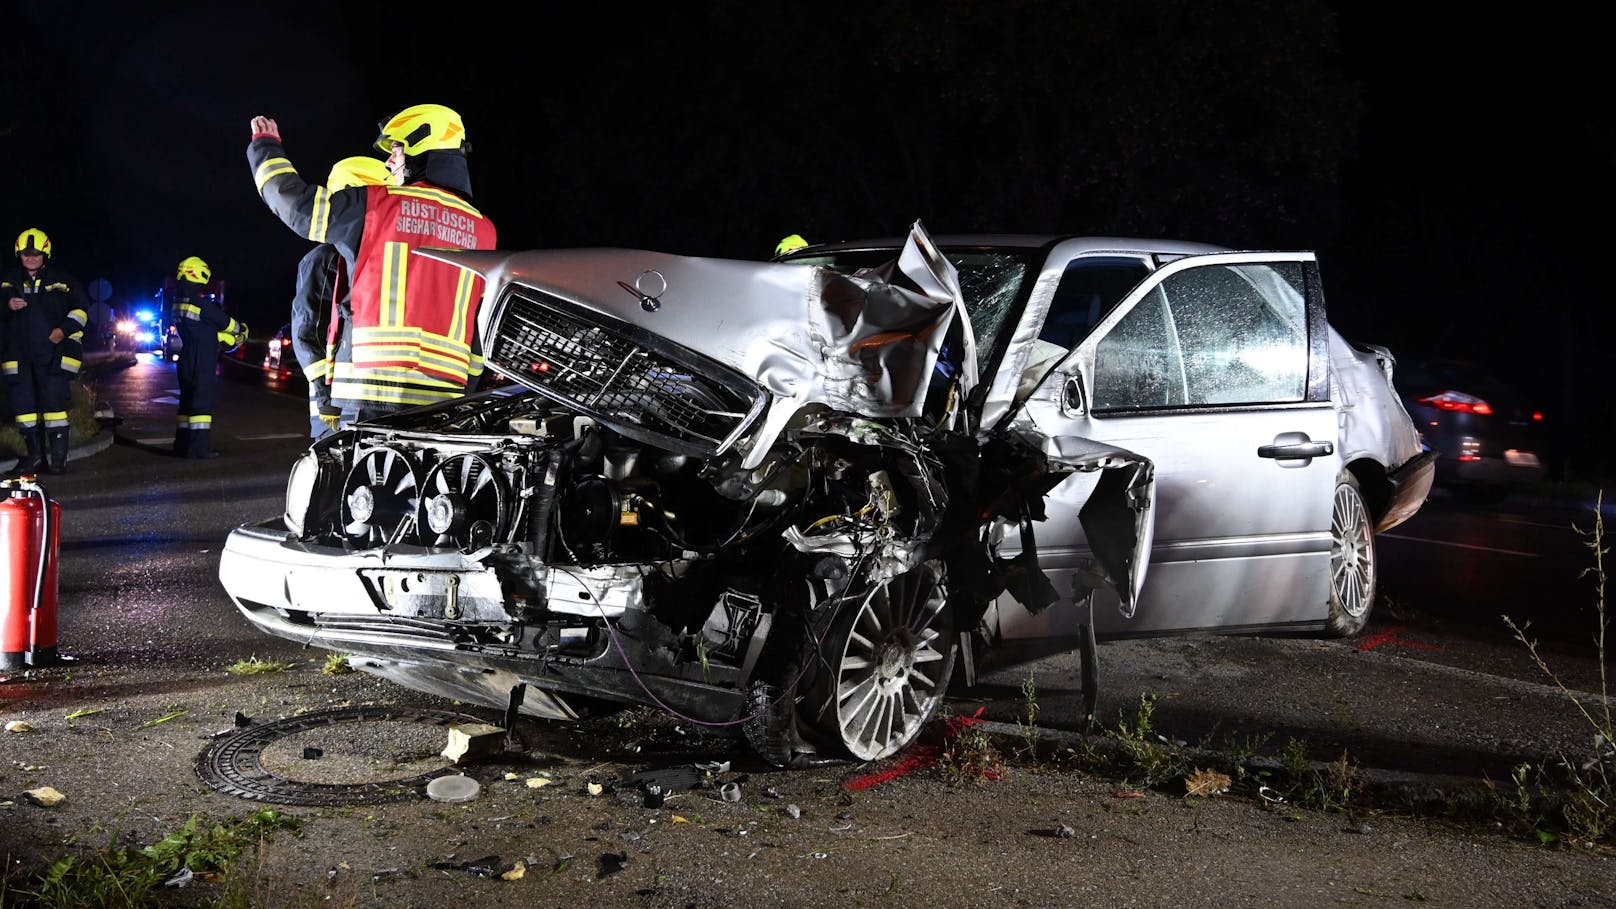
(437, 622)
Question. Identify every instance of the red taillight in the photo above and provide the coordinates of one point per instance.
(1459, 401)
(1537, 416)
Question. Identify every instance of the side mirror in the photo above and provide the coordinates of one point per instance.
(1073, 401)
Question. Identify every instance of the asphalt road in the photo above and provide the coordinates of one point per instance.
(1433, 696)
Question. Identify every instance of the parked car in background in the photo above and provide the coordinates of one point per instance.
(788, 498)
(1489, 437)
(280, 360)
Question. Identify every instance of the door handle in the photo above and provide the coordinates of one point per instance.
(1296, 450)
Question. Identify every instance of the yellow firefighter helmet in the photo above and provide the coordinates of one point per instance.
(33, 240)
(360, 170)
(790, 244)
(422, 128)
(194, 270)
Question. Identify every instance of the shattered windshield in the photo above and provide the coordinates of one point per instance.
(991, 281)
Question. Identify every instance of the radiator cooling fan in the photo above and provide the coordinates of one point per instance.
(463, 503)
(381, 491)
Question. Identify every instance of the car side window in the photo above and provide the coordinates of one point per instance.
(1210, 335)
(1137, 364)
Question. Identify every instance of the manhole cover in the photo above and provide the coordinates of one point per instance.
(325, 758)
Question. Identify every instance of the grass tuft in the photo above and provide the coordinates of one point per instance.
(254, 666)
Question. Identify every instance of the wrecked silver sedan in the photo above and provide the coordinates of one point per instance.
(785, 499)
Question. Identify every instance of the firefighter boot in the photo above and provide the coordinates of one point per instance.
(56, 458)
(33, 462)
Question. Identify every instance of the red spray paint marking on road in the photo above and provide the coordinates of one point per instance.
(918, 758)
(1389, 636)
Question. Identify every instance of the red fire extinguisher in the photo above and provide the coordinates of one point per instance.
(29, 522)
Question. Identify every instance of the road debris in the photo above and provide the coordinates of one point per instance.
(19, 726)
(468, 741)
(45, 796)
(453, 789)
(162, 719)
(185, 876)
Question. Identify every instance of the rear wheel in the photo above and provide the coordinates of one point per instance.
(888, 657)
(1353, 567)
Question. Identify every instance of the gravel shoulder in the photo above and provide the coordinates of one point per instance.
(897, 833)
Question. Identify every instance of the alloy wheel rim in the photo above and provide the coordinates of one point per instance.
(887, 679)
(1352, 554)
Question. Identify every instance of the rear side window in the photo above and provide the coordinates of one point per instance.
(1211, 335)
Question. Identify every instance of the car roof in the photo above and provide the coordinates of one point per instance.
(1024, 241)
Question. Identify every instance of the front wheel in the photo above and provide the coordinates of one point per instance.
(1353, 568)
(888, 657)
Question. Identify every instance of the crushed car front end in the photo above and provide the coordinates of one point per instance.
(743, 492)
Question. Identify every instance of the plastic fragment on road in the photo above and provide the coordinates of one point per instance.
(184, 877)
(19, 726)
(518, 870)
(538, 782)
(468, 741)
(455, 788)
(45, 796)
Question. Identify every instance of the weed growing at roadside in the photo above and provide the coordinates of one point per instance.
(1588, 812)
(336, 664)
(1148, 757)
(1327, 788)
(128, 878)
(970, 757)
(254, 666)
(1029, 728)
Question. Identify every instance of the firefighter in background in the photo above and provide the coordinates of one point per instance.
(790, 244)
(204, 328)
(414, 325)
(320, 305)
(44, 332)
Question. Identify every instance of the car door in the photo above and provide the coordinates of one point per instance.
(1214, 368)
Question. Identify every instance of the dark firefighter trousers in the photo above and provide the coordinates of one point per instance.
(198, 363)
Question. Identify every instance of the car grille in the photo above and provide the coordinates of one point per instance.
(624, 376)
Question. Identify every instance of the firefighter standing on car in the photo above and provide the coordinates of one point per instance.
(414, 320)
(321, 318)
(204, 328)
(44, 332)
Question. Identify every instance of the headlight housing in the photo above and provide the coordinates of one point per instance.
(300, 491)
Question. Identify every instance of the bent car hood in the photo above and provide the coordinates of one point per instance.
(867, 343)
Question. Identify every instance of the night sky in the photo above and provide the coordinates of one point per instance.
(1443, 168)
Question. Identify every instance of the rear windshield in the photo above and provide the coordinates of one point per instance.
(991, 280)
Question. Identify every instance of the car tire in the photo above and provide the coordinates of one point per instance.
(884, 665)
(1354, 568)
